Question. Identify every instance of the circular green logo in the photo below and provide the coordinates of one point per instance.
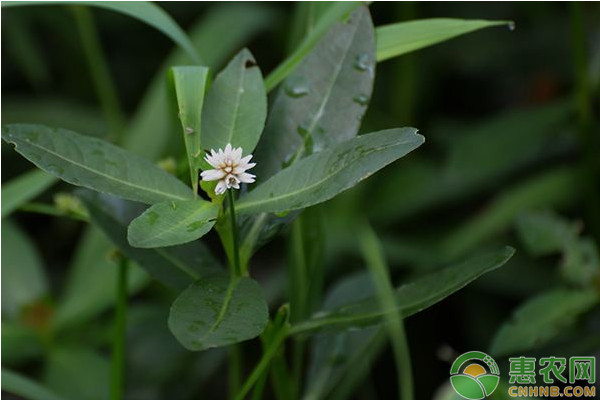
(474, 375)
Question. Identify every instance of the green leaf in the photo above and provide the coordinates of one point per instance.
(337, 12)
(545, 232)
(144, 11)
(174, 266)
(403, 37)
(190, 87)
(323, 175)
(581, 262)
(217, 311)
(322, 102)
(234, 24)
(90, 285)
(172, 222)
(551, 188)
(410, 298)
(541, 319)
(24, 188)
(77, 373)
(20, 344)
(236, 106)
(25, 387)
(23, 276)
(95, 164)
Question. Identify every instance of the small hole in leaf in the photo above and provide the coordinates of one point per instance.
(249, 64)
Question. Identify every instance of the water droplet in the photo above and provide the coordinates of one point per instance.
(189, 130)
(511, 26)
(152, 217)
(362, 62)
(361, 99)
(53, 169)
(295, 87)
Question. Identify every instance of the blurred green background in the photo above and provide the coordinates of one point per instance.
(511, 119)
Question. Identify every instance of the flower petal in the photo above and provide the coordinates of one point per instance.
(243, 168)
(228, 149)
(220, 188)
(212, 174)
(236, 155)
(245, 177)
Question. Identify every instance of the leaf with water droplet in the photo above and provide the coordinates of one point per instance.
(201, 318)
(316, 100)
(171, 223)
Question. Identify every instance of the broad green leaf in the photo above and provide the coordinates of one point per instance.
(190, 87)
(24, 188)
(403, 37)
(545, 232)
(541, 319)
(94, 164)
(338, 12)
(323, 175)
(174, 266)
(172, 222)
(552, 188)
(90, 286)
(218, 310)
(20, 344)
(22, 386)
(234, 24)
(410, 298)
(23, 276)
(77, 373)
(144, 11)
(236, 106)
(322, 102)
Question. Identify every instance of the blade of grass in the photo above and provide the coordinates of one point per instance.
(144, 11)
(101, 77)
(373, 254)
(22, 386)
(117, 381)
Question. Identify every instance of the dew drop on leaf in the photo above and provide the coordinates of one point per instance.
(362, 62)
(295, 87)
(361, 99)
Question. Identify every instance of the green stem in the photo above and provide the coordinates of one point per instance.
(375, 259)
(235, 369)
(260, 368)
(583, 102)
(117, 382)
(237, 269)
(47, 209)
(103, 84)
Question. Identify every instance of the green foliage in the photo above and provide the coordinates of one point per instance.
(323, 175)
(94, 164)
(23, 277)
(403, 37)
(410, 298)
(236, 106)
(22, 386)
(218, 310)
(171, 223)
(145, 11)
(27, 186)
(336, 75)
(541, 319)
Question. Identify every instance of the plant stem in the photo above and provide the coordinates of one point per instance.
(263, 363)
(117, 382)
(105, 87)
(237, 270)
(583, 102)
(235, 369)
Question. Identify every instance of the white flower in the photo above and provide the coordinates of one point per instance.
(229, 168)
